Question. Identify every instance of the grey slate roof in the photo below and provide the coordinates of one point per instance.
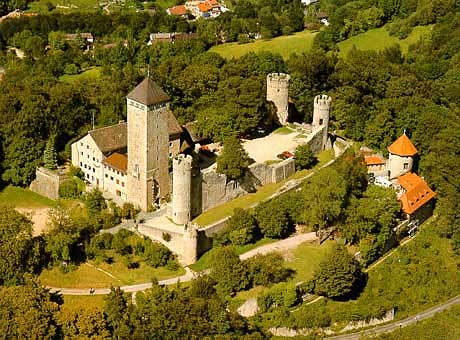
(148, 93)
(115, 137)
(110, 138)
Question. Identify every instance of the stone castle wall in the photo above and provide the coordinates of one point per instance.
(47, 182)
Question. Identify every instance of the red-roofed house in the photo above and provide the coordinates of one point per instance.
(374, 163)
(416, 196)
(180, 11)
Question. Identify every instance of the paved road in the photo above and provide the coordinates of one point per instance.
(188, 276)
(281, 245)
(401, 323)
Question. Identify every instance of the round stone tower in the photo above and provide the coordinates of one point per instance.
(182, 186)
(321, 107)
(278, 93)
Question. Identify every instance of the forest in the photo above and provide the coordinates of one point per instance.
(376, 96)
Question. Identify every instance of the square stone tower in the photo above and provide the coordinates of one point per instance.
(148, 141)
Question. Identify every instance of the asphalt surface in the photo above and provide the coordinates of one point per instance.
(428, 313)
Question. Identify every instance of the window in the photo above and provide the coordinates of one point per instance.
(87, 176)
(92, 178)
(81, 164)
(111, 178)
(122, 184)
(81, 143)
(85, 166)
(406, 166)
(87, 156)
(87, 146)
(94, 170)
(118, 193)
(118, 182)
(94, 159)
(320, 122)
(170, 144)
(81, 153)
(106, 176)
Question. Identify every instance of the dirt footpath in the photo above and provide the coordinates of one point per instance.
(39, 217)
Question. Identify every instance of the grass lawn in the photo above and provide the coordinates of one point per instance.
(204, 262)
(445, 325)
(24, 198)
(84, 302)
(246, 201)
(284, 130)
(83, 277)
(68, 5)
(306, 258)
(418, 275)
(285, 45)
(92, 73)
(379, 38)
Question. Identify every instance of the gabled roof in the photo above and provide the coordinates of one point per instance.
(204, 7)
(373, 160)
(148, 93)
(110, 138)
(177, 10)
(115, 137)
(117, 161)
(417, 194)
(403, 147)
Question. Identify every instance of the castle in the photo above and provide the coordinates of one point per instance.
(131, 160)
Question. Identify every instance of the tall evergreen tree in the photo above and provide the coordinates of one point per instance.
(49, 156)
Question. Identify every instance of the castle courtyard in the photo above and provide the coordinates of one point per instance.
(267, 148)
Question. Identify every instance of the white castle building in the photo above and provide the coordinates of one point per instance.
(130, 159)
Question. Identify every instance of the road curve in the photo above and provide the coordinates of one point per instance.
(428, 313)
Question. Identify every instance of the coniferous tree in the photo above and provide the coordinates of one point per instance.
(233, 160)
(49, 156)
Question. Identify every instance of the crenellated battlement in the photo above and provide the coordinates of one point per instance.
(323, 100)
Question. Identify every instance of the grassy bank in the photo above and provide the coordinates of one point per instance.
(379, 38)
(24, 198)
(92, 73)
(286, 45)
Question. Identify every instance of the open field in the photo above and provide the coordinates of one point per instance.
(41, 6)
(379, 38)
(92, 73)
(87, 276)
(285, 45)
(305, 259)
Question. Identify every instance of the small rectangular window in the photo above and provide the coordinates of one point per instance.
(122, 184)
(111, 178)
(118, 182)
(406, 166)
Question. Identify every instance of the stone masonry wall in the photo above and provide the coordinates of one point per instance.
(46, 183)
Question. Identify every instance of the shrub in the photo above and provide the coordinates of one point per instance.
(69, 189)
(267, 269)
(166, 237)
(119, 242)
(304, 157)
(273, 220)
(280, 295)
(156, 254)
(128, 211)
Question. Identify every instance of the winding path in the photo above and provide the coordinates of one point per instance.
(428, 313)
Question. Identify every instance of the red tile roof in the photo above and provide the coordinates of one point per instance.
(417, 194)
(204, 7)
(373, 160)
(117, 161)
(403, 147)
(178, 10)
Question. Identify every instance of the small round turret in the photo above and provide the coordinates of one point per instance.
(321, 107)
(182, 185)
(278, 93)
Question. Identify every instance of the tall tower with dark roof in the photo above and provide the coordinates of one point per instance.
(148, 141)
